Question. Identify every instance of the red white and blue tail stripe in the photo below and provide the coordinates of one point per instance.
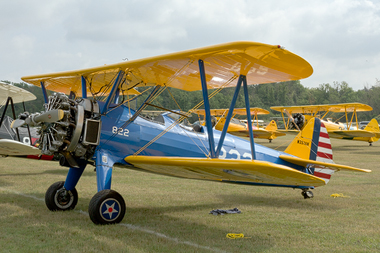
(321, 151)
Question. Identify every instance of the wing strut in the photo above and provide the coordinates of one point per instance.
(249, 120)
(113, 91)
(229, 116)
(207, 109)
(10, 101)
(84, 87)
(44, 92)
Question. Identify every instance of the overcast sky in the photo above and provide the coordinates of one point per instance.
(340, 39)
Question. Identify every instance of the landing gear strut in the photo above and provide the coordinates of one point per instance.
(307, 194)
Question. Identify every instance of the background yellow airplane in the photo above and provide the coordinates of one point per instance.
(298, 116)
(238, 128)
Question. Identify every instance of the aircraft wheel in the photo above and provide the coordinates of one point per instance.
(307, 194)
(107, 207)
(57, 198)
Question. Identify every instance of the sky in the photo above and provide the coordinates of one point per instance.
(339, 38)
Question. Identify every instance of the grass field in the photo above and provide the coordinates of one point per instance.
(167, 214)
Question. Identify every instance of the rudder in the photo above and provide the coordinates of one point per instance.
(313, 143)
(272, 126)
(373, 126)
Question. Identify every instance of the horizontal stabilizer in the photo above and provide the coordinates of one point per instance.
(16, 148)
(333, 166)
(257, 133)
(225, 169)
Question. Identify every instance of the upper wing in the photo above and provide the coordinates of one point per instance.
(239, 111)
(350, 107)
(225, 170)
(304, 109)
(311, 109)
(18, 95)
(261, 63)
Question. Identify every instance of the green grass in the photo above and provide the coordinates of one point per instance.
(167, 214)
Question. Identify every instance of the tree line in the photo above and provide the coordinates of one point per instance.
(288, 93)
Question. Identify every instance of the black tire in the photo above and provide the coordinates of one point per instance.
(58, 199)
(107, 207)
(307, 194)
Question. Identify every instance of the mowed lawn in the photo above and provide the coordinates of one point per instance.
(166, 214)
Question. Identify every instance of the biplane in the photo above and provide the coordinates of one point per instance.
(87, 131)
(349, 131)
(10, 138)
(238, 128)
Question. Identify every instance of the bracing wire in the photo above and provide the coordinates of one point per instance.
(182, 118)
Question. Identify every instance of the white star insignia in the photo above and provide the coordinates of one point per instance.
(110, 210)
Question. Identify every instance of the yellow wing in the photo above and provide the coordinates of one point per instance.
(239, 111)
(225, 170)
(258, 133)
(312, 109)
(261, 63)
(351, 134)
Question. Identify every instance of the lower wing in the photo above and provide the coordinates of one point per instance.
(351, 134)
(225, 169)
(16, 148)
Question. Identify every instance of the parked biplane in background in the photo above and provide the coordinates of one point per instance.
(106, 133)
(238, 128)
(348, 131)
(15, 141)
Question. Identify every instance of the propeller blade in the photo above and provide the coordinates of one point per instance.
(49, 116)
(292, 119)
(17, 123)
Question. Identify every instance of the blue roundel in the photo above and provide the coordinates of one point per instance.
(110, 209)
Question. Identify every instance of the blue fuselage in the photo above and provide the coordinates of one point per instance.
(179, 140)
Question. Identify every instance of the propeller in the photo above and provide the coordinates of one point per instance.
(292, 119)
(34, 119)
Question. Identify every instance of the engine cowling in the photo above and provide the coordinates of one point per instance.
(299, 120)
(76, 135)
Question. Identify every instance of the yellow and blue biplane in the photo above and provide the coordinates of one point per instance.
(85, 130)
(239, 128)
(348, 131)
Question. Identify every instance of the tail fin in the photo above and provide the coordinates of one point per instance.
(313, 143)
(272, 126)
(373, 126)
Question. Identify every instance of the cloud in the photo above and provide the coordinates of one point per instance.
(339, 38)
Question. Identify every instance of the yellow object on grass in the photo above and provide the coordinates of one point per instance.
(338, 195)
(234, 236)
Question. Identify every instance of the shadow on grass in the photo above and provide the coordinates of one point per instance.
(88, 172)
(277, 202)
(53, 172)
